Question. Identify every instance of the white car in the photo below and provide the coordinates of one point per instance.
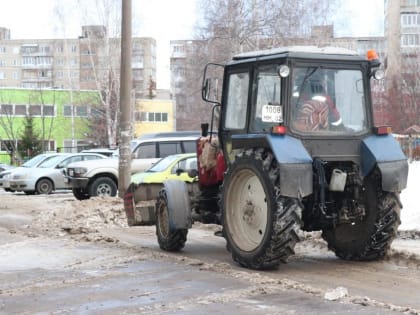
(34, 162)
(48, 176)
(90, 179)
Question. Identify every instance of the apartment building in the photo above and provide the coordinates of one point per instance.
(402, 32)
(79, 64)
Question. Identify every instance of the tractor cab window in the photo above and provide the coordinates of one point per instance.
(267, 109)
(237, 100)
(328, 101)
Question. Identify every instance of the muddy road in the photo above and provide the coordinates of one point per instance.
(63, 256)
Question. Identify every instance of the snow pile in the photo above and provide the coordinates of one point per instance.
(410, 214)
(81, 217)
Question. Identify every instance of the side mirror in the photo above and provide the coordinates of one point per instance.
(210, 90)
(210, 84)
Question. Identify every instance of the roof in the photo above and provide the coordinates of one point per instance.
(297, 51)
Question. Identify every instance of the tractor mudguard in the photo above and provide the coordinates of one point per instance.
(385, 152)
(294, 161)
(179, 207)
(295, 165)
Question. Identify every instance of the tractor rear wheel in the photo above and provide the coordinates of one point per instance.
(168, 239)
(370, 238)
(260, 226)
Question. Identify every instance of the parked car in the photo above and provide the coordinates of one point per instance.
(105, 151)
(175, 166)
(33, 162)
(90, 179)
(48, 176)
(5, 167)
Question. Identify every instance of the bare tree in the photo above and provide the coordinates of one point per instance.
(99, 58)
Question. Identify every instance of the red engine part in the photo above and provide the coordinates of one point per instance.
(211, 164)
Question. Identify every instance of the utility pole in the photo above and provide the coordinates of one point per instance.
(124, 168)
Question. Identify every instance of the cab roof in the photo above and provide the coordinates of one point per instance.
(310, 52)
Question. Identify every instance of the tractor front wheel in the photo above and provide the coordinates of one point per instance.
(169, 239)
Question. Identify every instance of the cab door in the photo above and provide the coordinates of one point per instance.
(235, 104)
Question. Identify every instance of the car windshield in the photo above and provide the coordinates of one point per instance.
(328, 101)
(162, 164)
(35, 160)
(52, 162)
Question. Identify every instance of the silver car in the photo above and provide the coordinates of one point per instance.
(48, 176)
(6, 175)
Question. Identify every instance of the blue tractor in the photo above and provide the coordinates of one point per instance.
(295, 148)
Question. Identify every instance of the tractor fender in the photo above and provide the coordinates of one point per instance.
(386, 153)
(295, 163)
(179, 207)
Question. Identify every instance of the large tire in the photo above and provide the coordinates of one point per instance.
(103, 187)
(168, 239)
(44, 186)
(80, 194)
(370, 238)
(260, 226)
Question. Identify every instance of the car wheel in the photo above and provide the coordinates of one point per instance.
(80, 194)
(103, 187)
(44, 186)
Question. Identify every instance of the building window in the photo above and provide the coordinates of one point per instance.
(49, 145)
(410, 19)
(20, 110)
(2, 63)
(28, 61)
(44, 61)
(151, 117)
(48, 110)
(137, 61)
(73, 48)
(2, 49)
(15, 75)
(29, 49)
(67, 110)
(6, 110)
(81, 111)
(35, 110)
(410, 40)
(2, 75)
(44, 49)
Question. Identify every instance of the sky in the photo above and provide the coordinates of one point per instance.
(163, 20)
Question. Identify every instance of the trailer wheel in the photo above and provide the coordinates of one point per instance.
(260, 226)
(169, 239)
(371, 238)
